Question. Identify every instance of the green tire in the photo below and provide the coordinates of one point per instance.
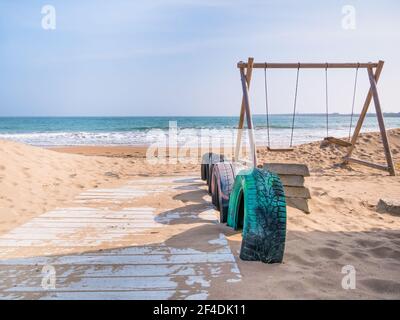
(257, 204)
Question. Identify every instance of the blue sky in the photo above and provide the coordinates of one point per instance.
(177, 57)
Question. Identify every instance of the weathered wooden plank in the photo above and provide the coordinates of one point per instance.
(364, 111)
(279, 149)
(337, 141)
(249, 120)
(249, 72)
(104, 225)
(382, 129)
(388, 205)
(298, 203)
(288, 169)
(123, 259)
(117, 295)
(101, 284)
(366, 163)
(297, 192)
(291, 180)
(26, 272)
(350, 65)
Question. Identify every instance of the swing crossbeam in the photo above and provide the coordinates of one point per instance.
(309, 65)
(246, 72)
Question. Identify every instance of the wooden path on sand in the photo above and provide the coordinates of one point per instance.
(109, 244)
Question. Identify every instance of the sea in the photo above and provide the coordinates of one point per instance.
(140, 131)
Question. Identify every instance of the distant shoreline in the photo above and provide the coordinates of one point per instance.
(385, 114)
(72, 131)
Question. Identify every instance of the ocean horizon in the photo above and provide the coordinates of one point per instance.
(146, 130)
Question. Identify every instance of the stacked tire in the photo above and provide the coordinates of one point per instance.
(254, 201)
(257, 205)
(208, 161)
(222, 181)
(204, 168)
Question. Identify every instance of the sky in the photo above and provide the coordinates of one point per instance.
(178, 58)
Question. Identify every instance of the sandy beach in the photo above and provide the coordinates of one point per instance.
(343, 228)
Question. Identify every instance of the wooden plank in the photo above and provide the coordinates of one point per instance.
(367, 163)
(309, 65)
(288, 169)
(379, 115)
(279, 149)
(298, 203)
(249, 73)
(292, 181)
(364, 110)
(102, 284)
(27, 272)
(389, 205)
(337, 141)
(119, 260)
(160, 294)
(297, 192)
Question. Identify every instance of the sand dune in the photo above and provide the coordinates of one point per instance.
(344, 227)
(34, 180)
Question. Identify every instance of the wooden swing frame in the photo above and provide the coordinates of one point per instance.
(246, 70)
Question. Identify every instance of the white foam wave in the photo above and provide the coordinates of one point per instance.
(190, 137)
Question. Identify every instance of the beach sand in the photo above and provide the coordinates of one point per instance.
(343, 228)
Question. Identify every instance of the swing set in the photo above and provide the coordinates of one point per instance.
(374, 71)
(254, 199)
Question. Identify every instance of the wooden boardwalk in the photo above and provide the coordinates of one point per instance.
(109, 245)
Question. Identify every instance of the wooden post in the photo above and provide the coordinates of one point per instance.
(363, 113)
(381, 122)
(248, 117)
(243, 110)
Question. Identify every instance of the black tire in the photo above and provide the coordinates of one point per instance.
(257, 203)
(214, 192)
(214, 158)
(204, 168)
(223, 178)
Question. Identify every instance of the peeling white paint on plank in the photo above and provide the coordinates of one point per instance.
(123, 259)
(64, 271)
(131, 272)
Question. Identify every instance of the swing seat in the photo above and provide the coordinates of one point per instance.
(279, 149)
(337, 141)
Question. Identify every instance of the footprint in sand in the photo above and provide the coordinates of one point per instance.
(369, 243)
(333, 243)
(359, 254)
(385, 252)
(382, 286)
(289, 257)
(330, 253)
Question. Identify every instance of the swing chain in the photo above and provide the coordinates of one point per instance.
(354, 99)
(326, 100)
(266, 102)
(295, 103)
